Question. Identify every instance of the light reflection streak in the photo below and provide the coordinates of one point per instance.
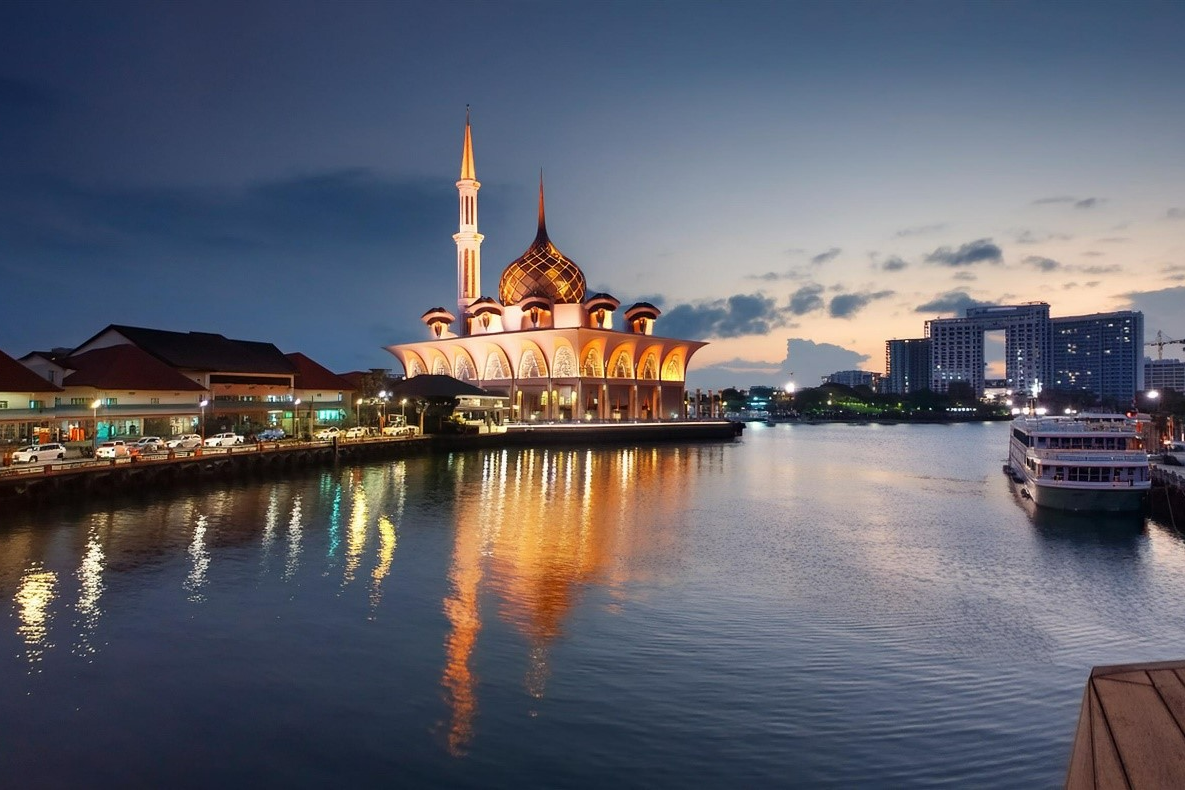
(295, 534)
(199, 556)
(90, 589)
(387, 539)
(36, 591)
(270, 523)
(356, 536)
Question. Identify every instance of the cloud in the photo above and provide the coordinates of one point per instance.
(978, 251)
(806, 299)
(1161, 309)
(1110, 268)
(949, 302)
(1092, 254)
(737, 316)
(808, 362)
(826, 257)
(1058, 199)
(1115, 240)
(1044, 264)
(920, 230)
(894, 264)
(1030, 237)
(847, 305)
(1175, 213)
(965, 276)
(1087, 202)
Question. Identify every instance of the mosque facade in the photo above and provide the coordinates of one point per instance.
(557, 353)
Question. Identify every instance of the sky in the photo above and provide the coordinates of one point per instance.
(795, 183)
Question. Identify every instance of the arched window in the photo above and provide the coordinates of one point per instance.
(622, 369)
(528, 366)
(465, 371)
(673, 370)
(440, 367)
(414, 368)
(592, 364)
(650, 367)
(494, 367)
(564, 365)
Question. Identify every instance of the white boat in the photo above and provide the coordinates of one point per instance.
(1080, 462)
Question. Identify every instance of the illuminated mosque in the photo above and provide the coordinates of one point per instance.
(552, 349)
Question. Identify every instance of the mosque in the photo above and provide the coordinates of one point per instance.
(556, 352)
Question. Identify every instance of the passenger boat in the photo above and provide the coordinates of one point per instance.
(1080, 462)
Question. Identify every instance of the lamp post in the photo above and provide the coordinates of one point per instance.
(95, 432)
(203, 406)
(383, 416)
(358, 412)
(295, 419)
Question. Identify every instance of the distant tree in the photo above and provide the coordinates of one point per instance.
(962, 393)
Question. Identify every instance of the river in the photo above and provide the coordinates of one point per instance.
(810, 606)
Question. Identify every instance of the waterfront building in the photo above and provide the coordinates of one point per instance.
(1096, 353)
(1101, 353)
(907, 365)
(1162, 374)
(24, 397)
(855, 378)
(556, 352)
(318, 398)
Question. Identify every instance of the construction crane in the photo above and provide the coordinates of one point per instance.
(1161, 342)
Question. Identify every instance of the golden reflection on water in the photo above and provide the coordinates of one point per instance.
(295, 535)
(34, 595)
(356, 534)
(543, 526)
(199, 558)
(90, 590)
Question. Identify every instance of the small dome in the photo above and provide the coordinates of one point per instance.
(542, 271)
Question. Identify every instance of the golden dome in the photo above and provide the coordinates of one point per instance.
(542, 271)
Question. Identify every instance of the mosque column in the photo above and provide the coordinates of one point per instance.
(659, 409)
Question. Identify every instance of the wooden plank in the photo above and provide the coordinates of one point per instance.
(1108, 771)
(1149, 742)
(1172, 691)
(1140, 677)
(1081, 773)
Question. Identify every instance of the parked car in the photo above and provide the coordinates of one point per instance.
(327, 433)
(400, 430)
(113, 449)
(185, 441)
(149, 444)
(357, 433)
(271, 435)
(39, 452)
(223, 440)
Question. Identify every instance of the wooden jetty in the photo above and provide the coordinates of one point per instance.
(1131, 729)
(1166, 500)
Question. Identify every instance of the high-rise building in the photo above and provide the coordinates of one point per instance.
(1098, 353)
(956, 346)
(1161, 374)
(1101, 353)
(907, 365)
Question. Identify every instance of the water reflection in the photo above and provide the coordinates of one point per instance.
(295, 532)
(90, 590)
(34, 596)
(199, 557)
(539, 527)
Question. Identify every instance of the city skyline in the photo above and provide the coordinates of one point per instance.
(795, 183)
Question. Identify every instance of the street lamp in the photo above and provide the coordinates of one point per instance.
(95, 433)
(203, 406)
(358, 413)
(383, 401)
(295, 406)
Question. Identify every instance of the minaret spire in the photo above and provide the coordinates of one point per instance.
(467, 238)
(542, 232)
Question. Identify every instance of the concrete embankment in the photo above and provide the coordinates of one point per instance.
(1167, 498)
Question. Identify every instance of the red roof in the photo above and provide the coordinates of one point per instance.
(125, 367)
(15, 377)
(312, 376)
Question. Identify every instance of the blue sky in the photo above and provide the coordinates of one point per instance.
(794, 182)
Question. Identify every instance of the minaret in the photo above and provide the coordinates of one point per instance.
(467, 238)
